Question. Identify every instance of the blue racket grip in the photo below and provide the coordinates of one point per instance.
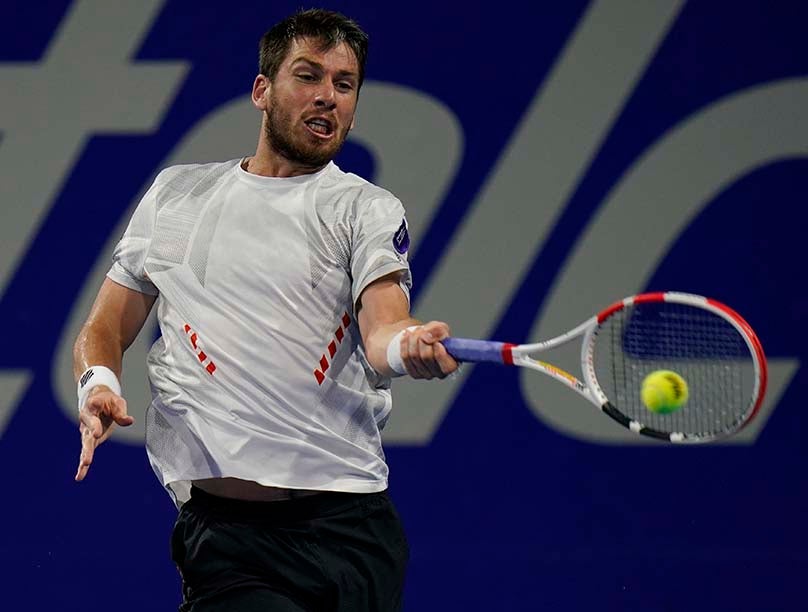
(465, 349)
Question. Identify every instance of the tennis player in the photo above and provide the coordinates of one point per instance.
(283, 289)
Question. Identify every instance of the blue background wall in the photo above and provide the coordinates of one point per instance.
(552, 158)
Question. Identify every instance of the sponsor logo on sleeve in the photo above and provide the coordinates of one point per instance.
(401, 239)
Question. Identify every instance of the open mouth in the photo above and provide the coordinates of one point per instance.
(321, 127)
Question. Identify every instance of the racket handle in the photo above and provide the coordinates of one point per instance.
(465, 349)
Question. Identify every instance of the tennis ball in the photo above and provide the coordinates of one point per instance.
(663, 391)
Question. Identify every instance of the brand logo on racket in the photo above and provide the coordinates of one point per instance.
(548, 366)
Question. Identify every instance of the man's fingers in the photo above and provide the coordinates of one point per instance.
(104, 408)
(88, 442)
(124, 420)
(434, 331)
(96, 418)
(81, 473)
(117, 410)
(447, 363)
(421, 355)
(427, 355)
(91, 422)
(412, 350)
(441, 362)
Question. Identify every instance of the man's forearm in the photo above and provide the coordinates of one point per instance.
(96, 346)
(115, 320)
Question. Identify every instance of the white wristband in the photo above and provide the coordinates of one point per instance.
(394, 352)
(94, 376)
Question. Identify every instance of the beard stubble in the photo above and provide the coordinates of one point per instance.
(280, 136)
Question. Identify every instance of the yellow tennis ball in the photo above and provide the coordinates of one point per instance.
(664, 391)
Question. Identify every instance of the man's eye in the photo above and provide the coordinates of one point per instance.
(344, 86)
(305, 76)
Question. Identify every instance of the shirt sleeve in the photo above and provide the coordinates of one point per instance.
(129, 257)
(380, 244)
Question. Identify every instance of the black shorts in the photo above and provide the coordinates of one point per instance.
(325, 552)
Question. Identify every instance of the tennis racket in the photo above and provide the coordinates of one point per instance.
(704, 341)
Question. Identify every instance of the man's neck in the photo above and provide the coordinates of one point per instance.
(269, 163)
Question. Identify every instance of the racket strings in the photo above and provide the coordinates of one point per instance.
(702, 347)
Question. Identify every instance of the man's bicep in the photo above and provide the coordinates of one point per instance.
(120, 311)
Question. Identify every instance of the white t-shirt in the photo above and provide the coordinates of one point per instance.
(260, 372)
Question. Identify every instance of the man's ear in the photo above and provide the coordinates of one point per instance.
(260, 90)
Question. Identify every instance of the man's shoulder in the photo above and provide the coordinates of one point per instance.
(357, 189)
(193, 179)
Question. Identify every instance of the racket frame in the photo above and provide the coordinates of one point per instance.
(522, 355)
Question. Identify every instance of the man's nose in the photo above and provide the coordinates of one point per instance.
(326, 96)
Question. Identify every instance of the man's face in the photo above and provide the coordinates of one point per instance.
(312, 102)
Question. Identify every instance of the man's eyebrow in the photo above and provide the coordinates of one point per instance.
(319, 66)
(310, 62)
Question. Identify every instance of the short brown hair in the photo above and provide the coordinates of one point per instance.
(329, 27)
